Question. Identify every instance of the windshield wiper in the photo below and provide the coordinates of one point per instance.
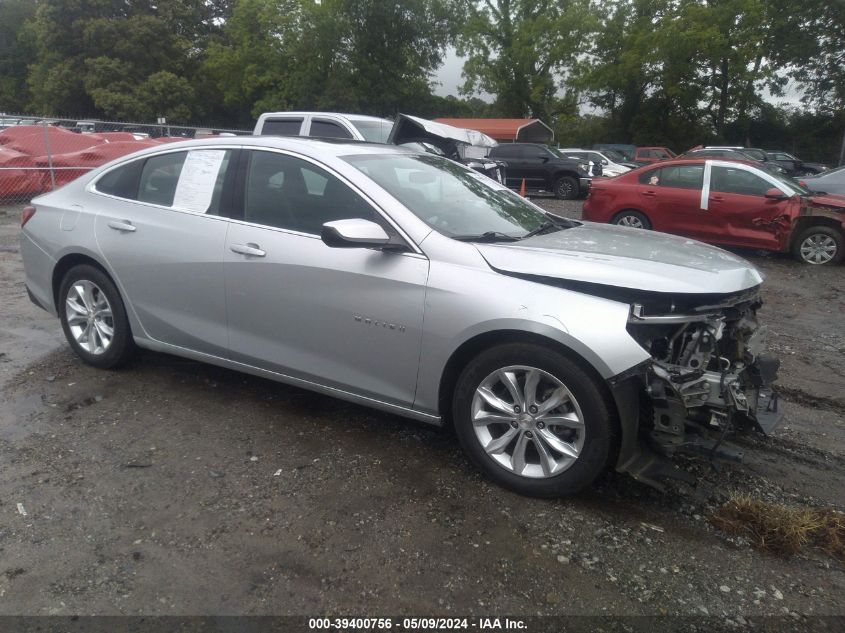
(552, 223)
(489, 236)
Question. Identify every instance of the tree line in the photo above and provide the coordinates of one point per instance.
(667, 72)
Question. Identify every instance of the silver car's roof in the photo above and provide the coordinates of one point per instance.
(311, 146)
(318, 149)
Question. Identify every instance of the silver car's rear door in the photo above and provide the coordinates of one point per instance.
(350, 318)
(166, 247)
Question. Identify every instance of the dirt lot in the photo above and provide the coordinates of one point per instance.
(172, 487)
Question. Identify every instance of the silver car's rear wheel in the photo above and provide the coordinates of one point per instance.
(94, 318)
(89, 316)
(528, 421)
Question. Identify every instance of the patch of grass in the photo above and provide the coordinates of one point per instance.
(780, 529)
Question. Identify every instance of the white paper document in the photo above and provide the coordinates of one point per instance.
(196, 182)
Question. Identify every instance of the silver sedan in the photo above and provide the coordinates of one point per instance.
(407, 282)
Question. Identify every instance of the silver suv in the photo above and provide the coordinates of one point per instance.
(407, 282)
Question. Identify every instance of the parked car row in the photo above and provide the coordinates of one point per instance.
(777, 161)
(744, 155)
(540, 168)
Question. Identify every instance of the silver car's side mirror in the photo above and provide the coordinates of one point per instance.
(354, 233)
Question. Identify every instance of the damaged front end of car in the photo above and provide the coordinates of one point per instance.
(707, 379)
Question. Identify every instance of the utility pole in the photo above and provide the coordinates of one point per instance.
(842, 150)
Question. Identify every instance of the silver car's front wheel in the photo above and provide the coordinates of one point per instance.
(534, 419)
(89, 316)
(528, 421)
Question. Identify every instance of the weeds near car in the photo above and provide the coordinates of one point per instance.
(781, 529)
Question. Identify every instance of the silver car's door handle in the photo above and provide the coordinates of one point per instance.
(247, 249)
(122, 225)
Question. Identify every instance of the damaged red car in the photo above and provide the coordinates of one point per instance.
(724, 203)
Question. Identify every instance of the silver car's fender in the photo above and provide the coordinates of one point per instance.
(466, 299)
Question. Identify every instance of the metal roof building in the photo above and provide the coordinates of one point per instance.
(507, 130)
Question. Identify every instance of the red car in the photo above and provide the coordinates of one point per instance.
(726, 203)
(649, 155)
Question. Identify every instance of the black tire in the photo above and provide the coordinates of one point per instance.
(600, 436)
(629, 218)
(122, 346)
(825, 234)
(566, 188)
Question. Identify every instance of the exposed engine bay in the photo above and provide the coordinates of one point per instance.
(708, 376)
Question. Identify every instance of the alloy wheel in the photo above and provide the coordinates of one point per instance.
(631, 221)
(565, 189)
(89, 317)
(528, 421)
(818, 249)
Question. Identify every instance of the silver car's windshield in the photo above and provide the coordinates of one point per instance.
(456, 201)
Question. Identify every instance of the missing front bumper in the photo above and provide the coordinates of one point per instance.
(660, 418)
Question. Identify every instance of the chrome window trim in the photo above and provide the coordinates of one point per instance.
(345, 181)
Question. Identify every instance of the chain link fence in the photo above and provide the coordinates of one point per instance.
(39, 154)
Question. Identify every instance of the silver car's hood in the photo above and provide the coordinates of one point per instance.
(625, 258)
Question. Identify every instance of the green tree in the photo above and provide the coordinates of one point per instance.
(813, 50)
(253, 62)
(676, 69)
(15, 53)
(519, 50)
(357, 55)
(105, 57)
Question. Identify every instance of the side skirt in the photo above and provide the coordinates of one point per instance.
(334, 392)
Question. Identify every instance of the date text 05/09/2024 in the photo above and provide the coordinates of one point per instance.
(416, 624)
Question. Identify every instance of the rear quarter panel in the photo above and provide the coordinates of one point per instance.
(606, 198)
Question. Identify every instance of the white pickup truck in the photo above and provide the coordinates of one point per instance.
(324, 125)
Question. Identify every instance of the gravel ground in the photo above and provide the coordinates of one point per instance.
(172, 487)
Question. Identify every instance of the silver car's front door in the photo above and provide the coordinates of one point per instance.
(166, 248)
(347, 318)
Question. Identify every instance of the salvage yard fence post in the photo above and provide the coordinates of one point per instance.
(49, 156)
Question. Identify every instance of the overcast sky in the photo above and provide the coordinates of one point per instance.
(448, 78)
(449, 74)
